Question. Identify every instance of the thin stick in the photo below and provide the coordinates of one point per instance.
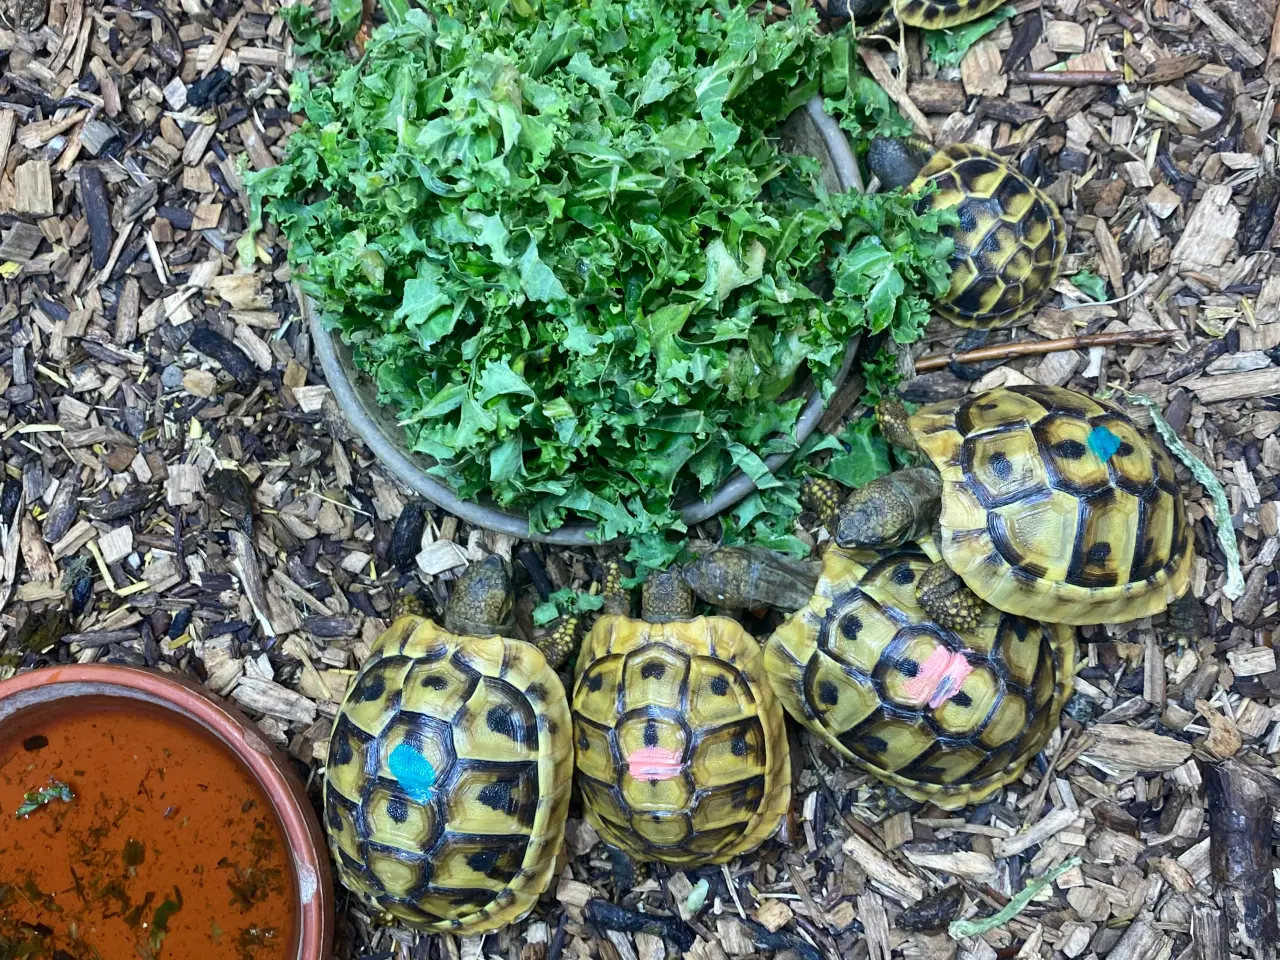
(1032, 348)
(1067, 78)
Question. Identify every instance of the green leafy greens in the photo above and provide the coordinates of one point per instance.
(948, 47)
(567, 248)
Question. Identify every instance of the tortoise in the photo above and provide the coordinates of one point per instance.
(450, 766)
(942, 715)
(1047, 504)
(1010, 238)
(924, 14)
(682, 754)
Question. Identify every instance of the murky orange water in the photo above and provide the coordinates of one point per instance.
(168, 851)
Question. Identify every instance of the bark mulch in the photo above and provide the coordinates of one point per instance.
(180, 492)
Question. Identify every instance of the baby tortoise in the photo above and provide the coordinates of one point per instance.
(1046, 504)
(450, 766)
(682, 752)
(1010, 239)
(923, 14)
(947, 716)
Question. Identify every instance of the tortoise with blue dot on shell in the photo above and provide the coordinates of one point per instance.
(1045, 503)
(682, 753)
(946, 716)
(450, 766)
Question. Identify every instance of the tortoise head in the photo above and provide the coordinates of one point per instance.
(483, 600)
(895, 162)
(857, 10)
(891, 510)
(665, 597)
(750, 578)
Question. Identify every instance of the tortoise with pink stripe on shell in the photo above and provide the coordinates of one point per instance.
(948, 716)
(681, 747)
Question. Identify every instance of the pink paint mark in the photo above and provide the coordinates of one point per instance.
(654, 763)
(939, 677)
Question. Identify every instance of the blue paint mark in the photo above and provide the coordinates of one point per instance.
(414, 771)
(1103, 442)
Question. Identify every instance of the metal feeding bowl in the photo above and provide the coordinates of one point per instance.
(810, 130)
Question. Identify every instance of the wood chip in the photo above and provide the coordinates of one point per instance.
(116, 544)
(33, 189)
(274, 700)
(1236, 386)
(962, 863)
(1210, 233)
(882, 872)
(1131, 749)
(1047, 826)
(1252, 661)
(35, 553)
(1223, 740)
(773, 914)
(980, 71)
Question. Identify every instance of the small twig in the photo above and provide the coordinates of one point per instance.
(1031, 348)
(1067, 78)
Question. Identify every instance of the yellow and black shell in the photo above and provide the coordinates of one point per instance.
(942, 14)
(682, 752)
(1057, 506)
(1009, 242)
(945, 717)
(449, 773)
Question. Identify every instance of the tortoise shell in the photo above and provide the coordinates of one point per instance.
(1009, 242)
(682, 754)
(925, 14)
(943, 716)
(448, 781)
(1056, 506)
(942, 14)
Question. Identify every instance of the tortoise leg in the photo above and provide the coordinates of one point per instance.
(945, 598)
(1187, 621)
(849, 9)
(889, 800)
(616, 598)
(891, 415)
(560, 639)
(625, 871)
(821, 495)
(891, 510)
